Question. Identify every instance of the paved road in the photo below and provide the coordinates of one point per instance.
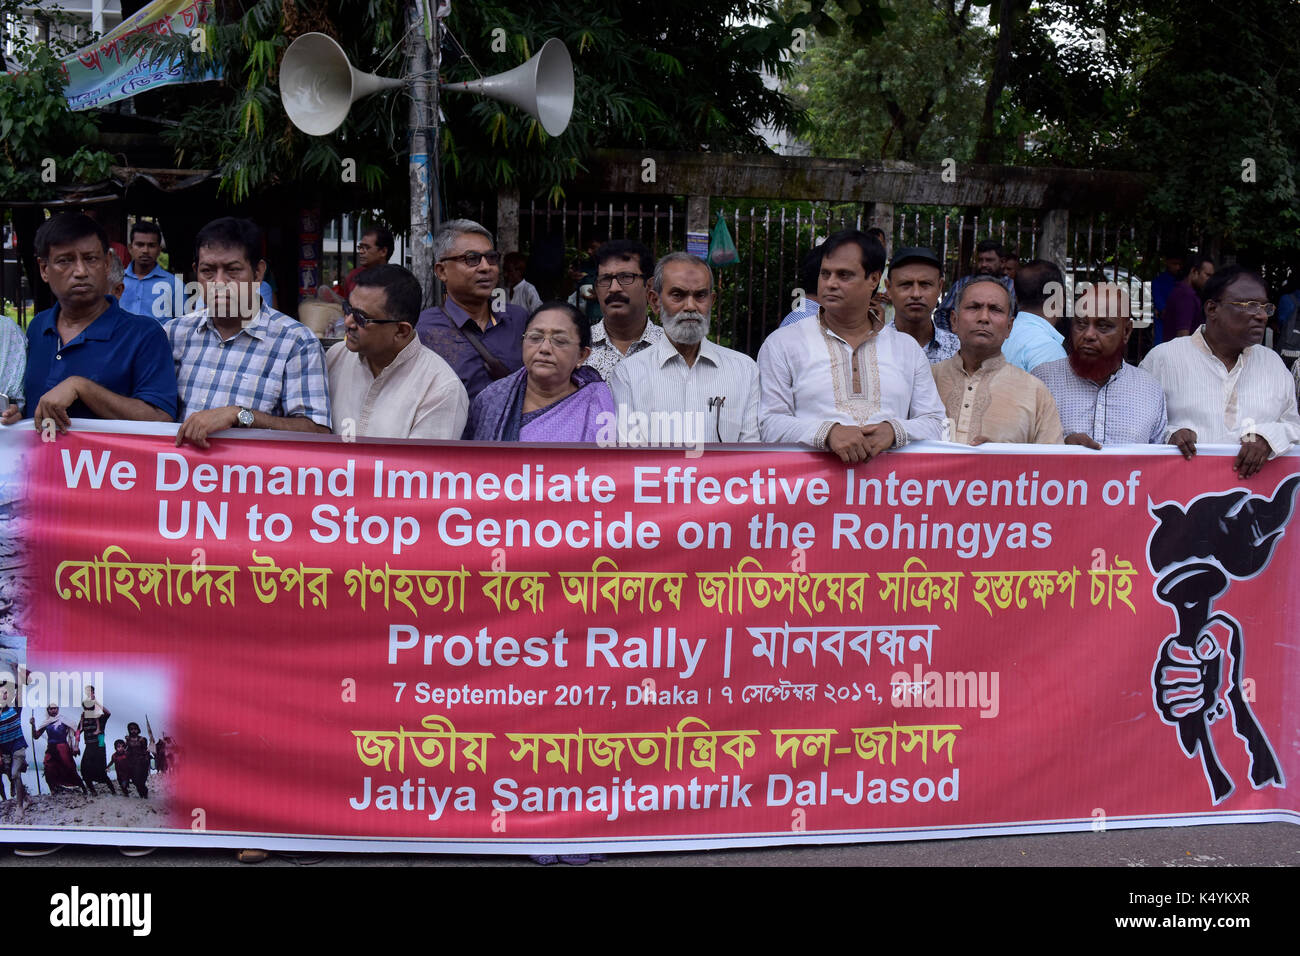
(1254, 845)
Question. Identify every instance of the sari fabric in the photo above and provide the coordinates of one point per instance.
(497, 414)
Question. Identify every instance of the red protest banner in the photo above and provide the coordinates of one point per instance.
(512, 648)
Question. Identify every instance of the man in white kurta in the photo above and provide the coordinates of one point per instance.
(384, 383)
(845, 381)
(1221, 385)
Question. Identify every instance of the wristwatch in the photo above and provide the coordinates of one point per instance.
(245, 418)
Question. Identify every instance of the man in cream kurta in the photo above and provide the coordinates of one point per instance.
(987, 398)
(843, 380)
(384, 383)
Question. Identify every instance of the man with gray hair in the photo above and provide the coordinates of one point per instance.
(684, 389)
(480, 343)
(987, 398)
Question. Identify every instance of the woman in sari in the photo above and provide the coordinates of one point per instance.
(554, 397)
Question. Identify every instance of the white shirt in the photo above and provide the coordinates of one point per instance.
(525, 294)
(417, 396)
(1218, 403)
(807, 376)
(658, 380)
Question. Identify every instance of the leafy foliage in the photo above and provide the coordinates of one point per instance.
(1187, 91)
(240, 126)
(675, 76)
(36, 127)
(914, 92)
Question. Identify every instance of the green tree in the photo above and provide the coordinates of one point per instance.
(44, 144)
(677, 75)
(1200, 95)
(239, 125)
(912, 92)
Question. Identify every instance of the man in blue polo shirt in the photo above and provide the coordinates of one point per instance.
(86, 357)
(150, 289)
(479, 342)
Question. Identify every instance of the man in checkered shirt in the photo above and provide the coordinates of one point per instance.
(240, 363)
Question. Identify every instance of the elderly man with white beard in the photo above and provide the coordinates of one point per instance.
(684, 378)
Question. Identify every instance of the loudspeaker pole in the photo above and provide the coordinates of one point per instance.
(423, 124)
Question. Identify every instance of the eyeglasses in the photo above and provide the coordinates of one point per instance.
(558, 341)
(1256, 308)
(362, 320)
(472, 259)
(624, 279)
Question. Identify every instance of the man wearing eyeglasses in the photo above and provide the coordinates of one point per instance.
(86, 357)
(383, 380)
(623, 272)
(480, 344)
(374, 249)
(240, 363)
(1221, 384)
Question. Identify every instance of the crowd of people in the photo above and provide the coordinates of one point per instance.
(131, 760)
(874, 355)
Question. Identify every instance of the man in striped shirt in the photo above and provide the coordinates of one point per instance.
(238, 361)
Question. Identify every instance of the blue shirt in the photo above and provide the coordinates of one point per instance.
(440, 329)
(1032, 342)
(1287, 306)
(1161, 286)
(159, 294)
(124, 353)
(810, 308)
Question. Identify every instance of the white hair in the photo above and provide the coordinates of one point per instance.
(672, 257)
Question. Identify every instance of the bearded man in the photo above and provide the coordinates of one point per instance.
(1102, 399)
(683, 377)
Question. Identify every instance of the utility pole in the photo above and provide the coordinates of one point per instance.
(422, 57)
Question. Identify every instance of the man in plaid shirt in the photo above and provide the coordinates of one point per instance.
(238, 361)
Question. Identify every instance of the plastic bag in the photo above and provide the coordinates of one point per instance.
(722, 248)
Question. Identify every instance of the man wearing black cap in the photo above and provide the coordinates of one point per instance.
(914, 285)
